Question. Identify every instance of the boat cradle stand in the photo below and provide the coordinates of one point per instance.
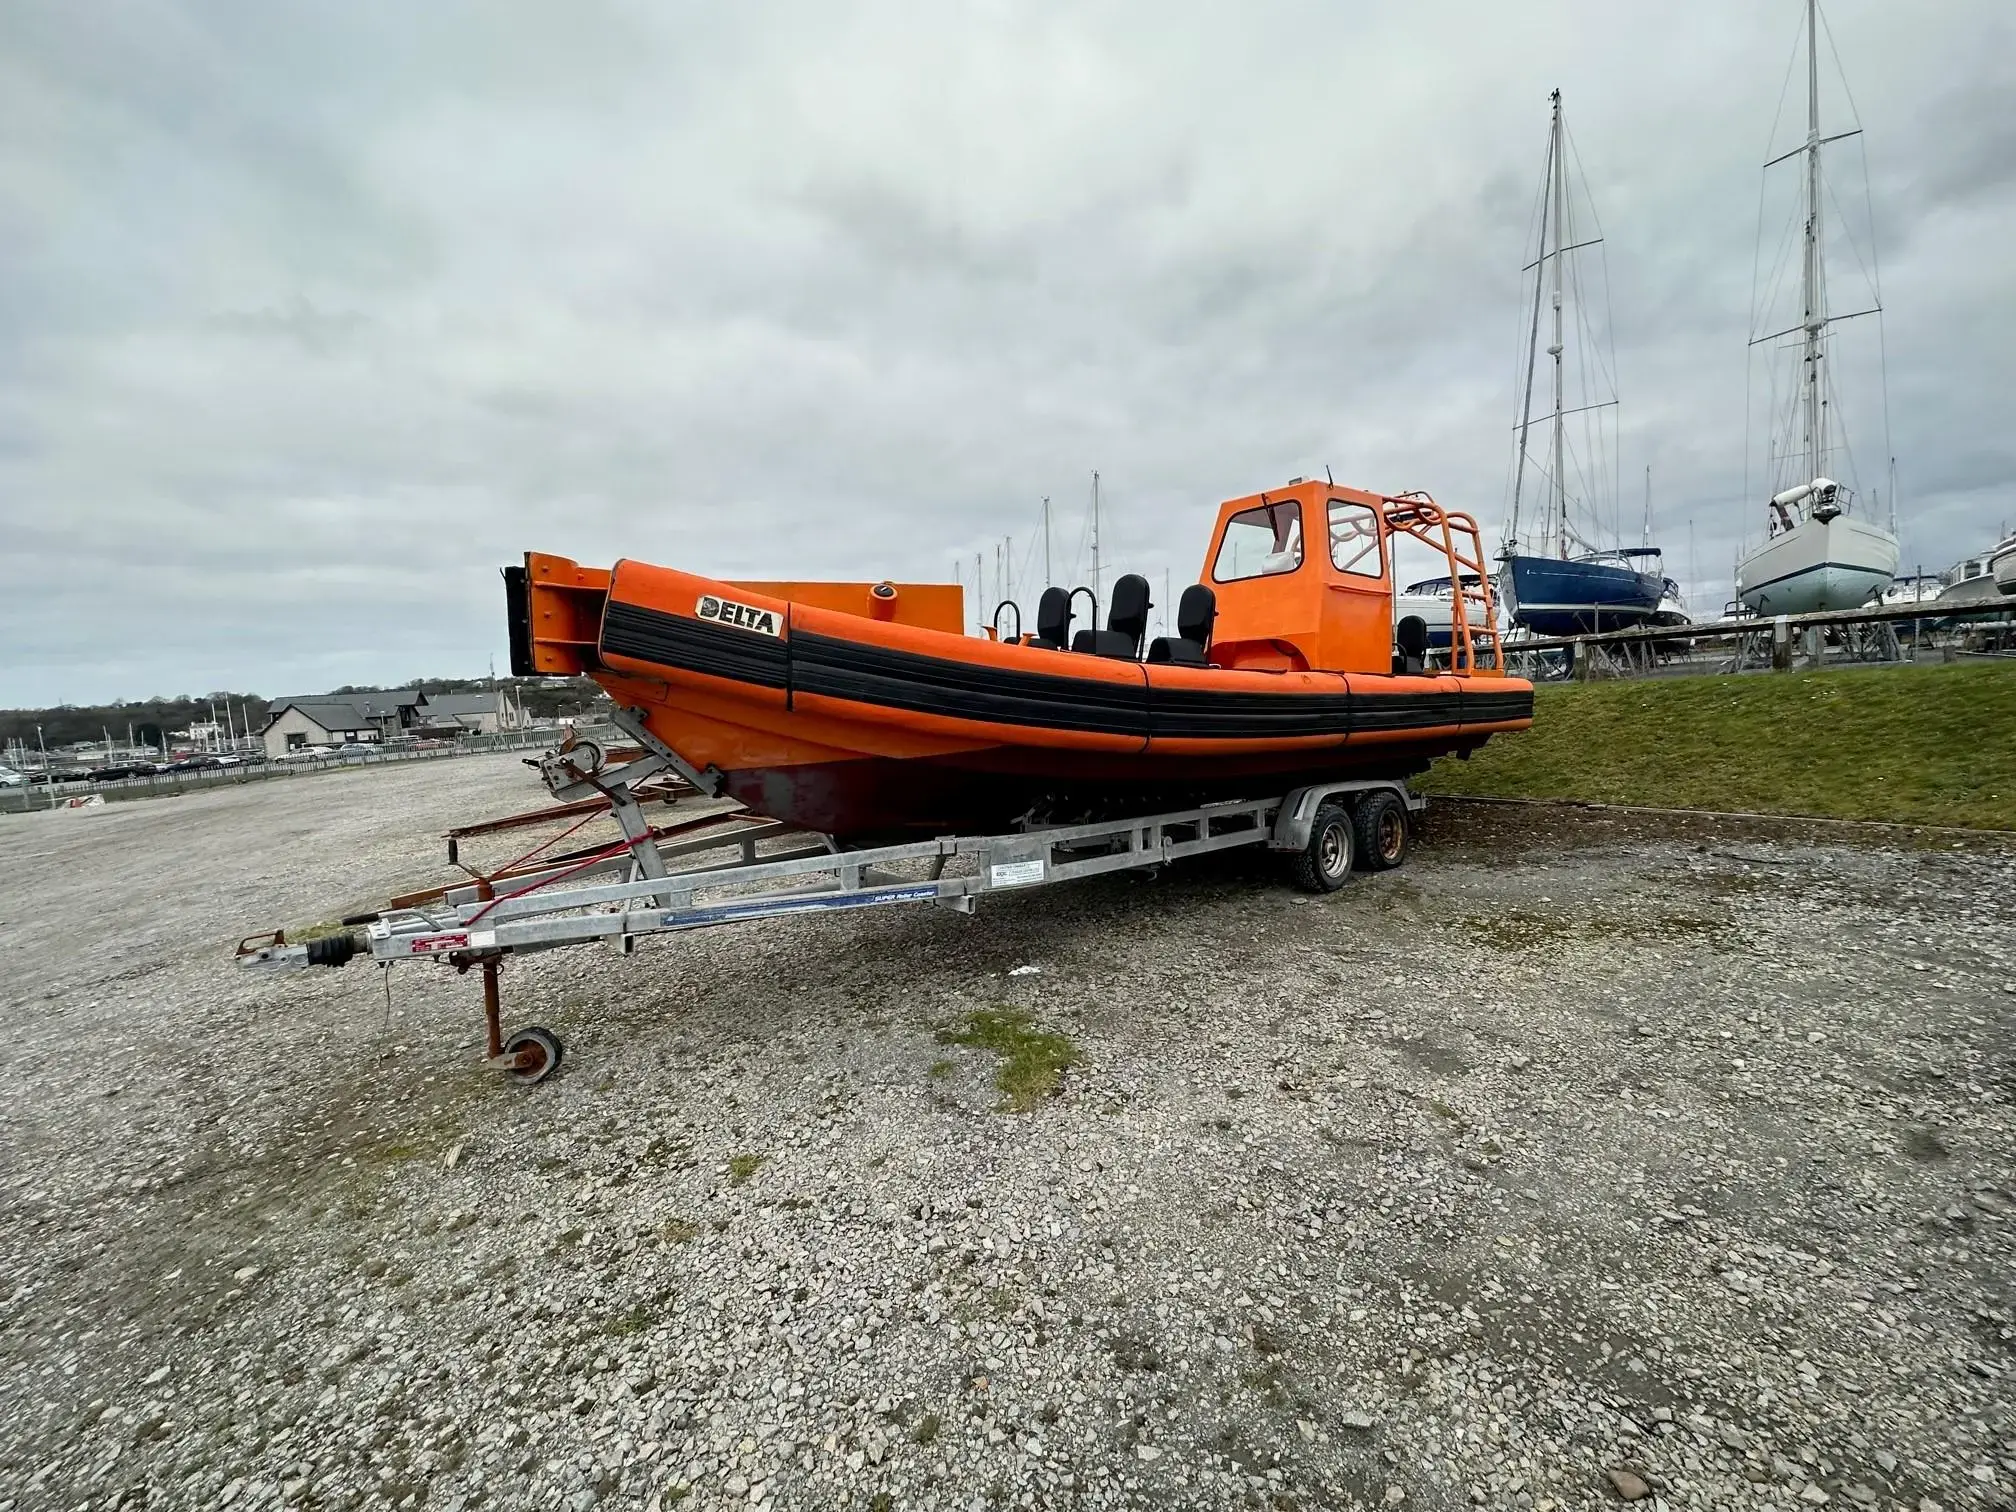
(662, 879)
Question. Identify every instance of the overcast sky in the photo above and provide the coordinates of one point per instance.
(313, 316)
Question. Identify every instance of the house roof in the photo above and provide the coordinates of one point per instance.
(345, 711)
(456, 705)
(330, 713)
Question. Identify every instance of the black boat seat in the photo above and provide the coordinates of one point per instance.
(1175, 651)
(1411, 637)
(1105, 643)
(1126, 622)
(1053, 620)
(1196, 612)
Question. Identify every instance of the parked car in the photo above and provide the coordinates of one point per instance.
(355, 748)
(9, 778)
(305, 753)
(120, 771)
(227, 760)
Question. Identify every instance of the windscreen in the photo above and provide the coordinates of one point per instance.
(1260, 542)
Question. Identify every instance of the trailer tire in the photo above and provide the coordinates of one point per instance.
(1382, 830)
(1324, 864)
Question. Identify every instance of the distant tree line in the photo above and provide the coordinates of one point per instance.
(154, 720)
(151, 719)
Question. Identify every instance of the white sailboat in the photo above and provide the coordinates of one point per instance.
(1817, 553)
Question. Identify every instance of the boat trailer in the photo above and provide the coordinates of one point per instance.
(661, 878)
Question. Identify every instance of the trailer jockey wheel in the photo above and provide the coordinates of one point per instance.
(1382, 830)
(1324, 865)
(534, 1053)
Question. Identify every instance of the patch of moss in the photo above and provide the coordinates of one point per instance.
(626, 1324)
(742, 1167)
(1033, 1060)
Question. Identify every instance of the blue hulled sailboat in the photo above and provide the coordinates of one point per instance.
(1566, 586)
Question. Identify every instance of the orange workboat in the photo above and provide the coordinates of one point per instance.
(863, 709)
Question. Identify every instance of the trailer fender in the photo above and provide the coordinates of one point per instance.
(1297, 814)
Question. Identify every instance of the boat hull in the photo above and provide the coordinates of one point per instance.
(1837, 563)
(1980, 589)
(859, 728)
(1549, 596)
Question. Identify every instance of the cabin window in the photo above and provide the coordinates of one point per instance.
(1260, 542)
(1354, 539)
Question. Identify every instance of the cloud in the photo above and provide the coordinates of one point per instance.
(312, 318)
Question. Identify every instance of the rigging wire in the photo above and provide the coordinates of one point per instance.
(1749, 363)
(1596, 371)
(1529, 325)
(1882, 338)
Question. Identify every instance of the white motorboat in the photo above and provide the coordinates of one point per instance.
(1817, 553)
(1912, 588)
(1434, 601)
(1980, 579)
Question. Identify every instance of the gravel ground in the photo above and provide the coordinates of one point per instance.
(1587, 1159)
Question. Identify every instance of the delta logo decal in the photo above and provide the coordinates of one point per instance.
(741, 616)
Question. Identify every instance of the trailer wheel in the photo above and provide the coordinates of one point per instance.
(1324, 865)
(1382, 830)
(535, 1053)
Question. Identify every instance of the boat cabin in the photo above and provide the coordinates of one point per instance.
(1303, 581)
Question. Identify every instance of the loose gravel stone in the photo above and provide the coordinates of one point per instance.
(1628, 1484)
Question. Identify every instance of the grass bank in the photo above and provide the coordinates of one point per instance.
(1915, 745)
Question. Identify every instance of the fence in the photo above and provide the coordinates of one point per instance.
(1778, 642)
(48, 795)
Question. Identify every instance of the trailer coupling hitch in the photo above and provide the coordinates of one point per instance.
(272, 950)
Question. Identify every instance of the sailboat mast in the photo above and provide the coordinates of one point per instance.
(1047, 579)
(1560, 193)
(1532, 342)
(1814, 291)
(1095, 536)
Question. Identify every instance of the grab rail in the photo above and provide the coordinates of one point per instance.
(1418, 515)
(1095, 603)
